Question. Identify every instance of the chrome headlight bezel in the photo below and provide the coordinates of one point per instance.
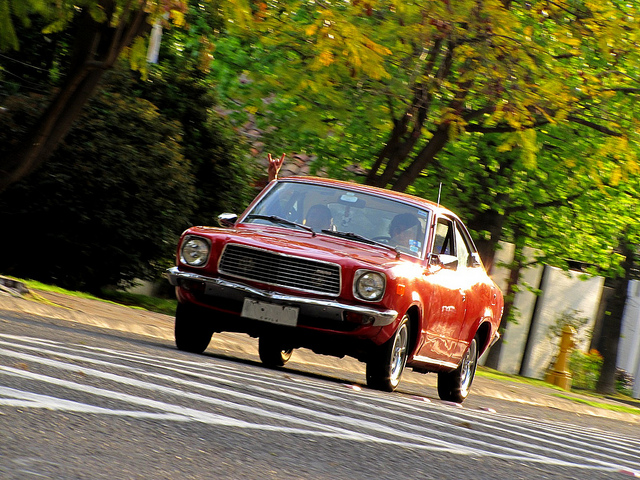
(369, 285)
(199, 251)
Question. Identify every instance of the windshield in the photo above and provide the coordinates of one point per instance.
(338, 209)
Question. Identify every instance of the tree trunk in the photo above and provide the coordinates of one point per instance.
(493, 222)
(612, 325)
(97, 47)
(407, 131)
(424, 158)
(493, 357)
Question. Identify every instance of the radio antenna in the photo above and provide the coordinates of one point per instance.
(439, 192)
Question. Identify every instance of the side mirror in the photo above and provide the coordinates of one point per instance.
(474, 260)
(450, 262)
(227, 220)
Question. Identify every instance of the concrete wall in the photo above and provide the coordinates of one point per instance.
(561, 292)
(515, 336)
(629, 346)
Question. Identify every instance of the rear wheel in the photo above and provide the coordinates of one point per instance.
(386, 364)
(454, 386)
(273, 353)
(192, 332)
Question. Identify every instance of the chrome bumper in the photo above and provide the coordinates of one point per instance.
(318, 308)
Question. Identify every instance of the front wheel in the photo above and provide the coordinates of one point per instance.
(192, 332)
(386, 364)
(272, 352)
(454, 386)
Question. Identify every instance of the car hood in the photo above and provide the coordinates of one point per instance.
(301, 243)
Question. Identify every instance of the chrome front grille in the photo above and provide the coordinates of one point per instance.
(282, 270)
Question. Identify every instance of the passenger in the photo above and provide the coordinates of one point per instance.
(402, 232)
(319, 218)
(274, 166)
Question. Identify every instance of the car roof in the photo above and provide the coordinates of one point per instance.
(403, 197)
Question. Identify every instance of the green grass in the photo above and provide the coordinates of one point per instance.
(35, 285)
(131, 300)
(595, 403)
(496, 375)
(153, 304)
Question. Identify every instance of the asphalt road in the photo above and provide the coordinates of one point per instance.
(79, 402)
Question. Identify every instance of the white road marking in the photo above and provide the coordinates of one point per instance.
(363, 417)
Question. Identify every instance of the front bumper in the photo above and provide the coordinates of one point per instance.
(313, 307)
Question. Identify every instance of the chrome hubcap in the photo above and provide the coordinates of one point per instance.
(468, 368)
(399, 354)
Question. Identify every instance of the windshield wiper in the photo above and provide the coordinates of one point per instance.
(360, 238)
(283, 221)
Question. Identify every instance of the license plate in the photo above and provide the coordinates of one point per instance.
(269, 312)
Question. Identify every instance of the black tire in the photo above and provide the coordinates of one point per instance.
(387, 362)
(273, 353)
(454, 386)
(192, 332)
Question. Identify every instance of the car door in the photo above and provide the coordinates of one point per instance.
(447, 307)
(479, 291)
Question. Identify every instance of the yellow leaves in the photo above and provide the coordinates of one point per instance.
(237, 12)
(614, 161)
(177, 17)
(526, 141)
(325, 58)
(307, 84)
(530, 148)
(464, 52)
(137, 54)
(616, 176)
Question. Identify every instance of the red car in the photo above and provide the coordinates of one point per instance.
(342, 269)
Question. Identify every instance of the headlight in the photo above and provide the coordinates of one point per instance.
(195, 251)
(369, 285)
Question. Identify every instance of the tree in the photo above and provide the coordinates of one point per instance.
(180, 87)
(113, 213)
(612, 326)
(177, 109)
(389, 85)
(103, 29)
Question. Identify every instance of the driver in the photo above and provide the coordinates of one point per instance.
(402, 231)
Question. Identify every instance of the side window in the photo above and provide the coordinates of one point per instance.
(443, 243)
(463, 252)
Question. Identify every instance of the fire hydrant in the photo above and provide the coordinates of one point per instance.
(559, 375)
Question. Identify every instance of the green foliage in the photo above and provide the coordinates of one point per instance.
(109, 205)
(180, 87)
(224, 177)
(153, 304)
(585, 369)
(568, 318)
(19, 10)
(58, 16)
(148, 158)
(624, 382)
(344, 75)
